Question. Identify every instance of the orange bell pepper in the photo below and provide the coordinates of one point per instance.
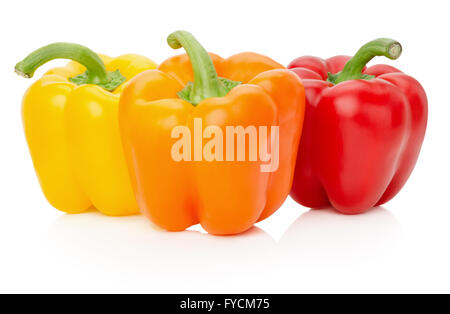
(225, 197)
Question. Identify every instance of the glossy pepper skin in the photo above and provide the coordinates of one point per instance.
(73, 130)
(362, 134)
(225, 197)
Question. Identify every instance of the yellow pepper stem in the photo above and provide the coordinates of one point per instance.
(95, 68)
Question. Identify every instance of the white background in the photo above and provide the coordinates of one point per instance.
(403, 247)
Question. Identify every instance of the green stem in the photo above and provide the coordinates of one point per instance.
(206, 82)
(95, 68)
(378, 47)
(85, 56)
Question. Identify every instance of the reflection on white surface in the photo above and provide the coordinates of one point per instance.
(133, 249)
(137, 250)
(94, 253)
(136, 236)
(326, 237)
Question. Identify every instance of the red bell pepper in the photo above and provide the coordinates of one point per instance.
(363, 130)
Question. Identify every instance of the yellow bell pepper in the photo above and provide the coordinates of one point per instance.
(70, 118)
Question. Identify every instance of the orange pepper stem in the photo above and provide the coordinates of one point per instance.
(353, 68)
(206, 82)
(95, 68)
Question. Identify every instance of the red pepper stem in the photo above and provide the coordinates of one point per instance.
(378, 47)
